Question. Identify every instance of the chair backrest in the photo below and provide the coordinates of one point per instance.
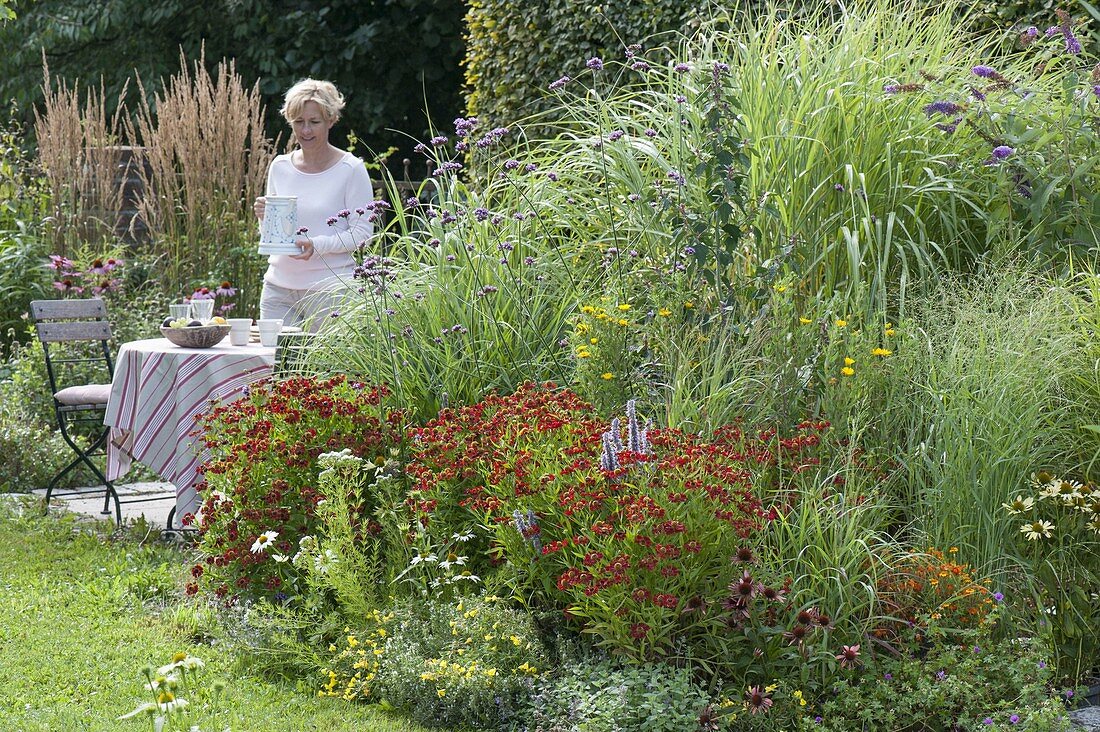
(73, 321)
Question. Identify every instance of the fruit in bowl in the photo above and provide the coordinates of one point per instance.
(195, 335)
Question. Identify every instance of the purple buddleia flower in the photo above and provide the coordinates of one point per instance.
(1029, 35)
(1096, 91)
(977, 94)
(1002, 152)
(986, 72)
(942, 107)
(1065, 26)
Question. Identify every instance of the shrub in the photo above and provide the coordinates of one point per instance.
(605, 696)
(470, 663)
(970, 687)
(31, 454)
(259, 488)
(930, 598)
(22, 245)
(631, 534)
(1035, 152)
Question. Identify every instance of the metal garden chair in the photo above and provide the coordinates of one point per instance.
(74, 336)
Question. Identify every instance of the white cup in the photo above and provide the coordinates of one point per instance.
(180, 310)
(239, 331)
(269, 331)
(202, 310)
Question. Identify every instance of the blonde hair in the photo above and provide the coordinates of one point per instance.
(324, 93)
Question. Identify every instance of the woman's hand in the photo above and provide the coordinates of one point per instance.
(259, 206)
(307, 249)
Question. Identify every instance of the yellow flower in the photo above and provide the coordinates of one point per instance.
(664, 312)
(849, 361)
(593, 341)
(441, 693)
(889, 332)
(689, 304)
(805, 321)
(515, 640)
(847, 371)
(841, 323)
(780, 288)
(607, 376)
(624, 322)
(588, 309)
(796, 694)
(624, 307)
(490, 672)
(884, 352)
(582, 328)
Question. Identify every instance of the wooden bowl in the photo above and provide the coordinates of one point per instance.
(199, 336)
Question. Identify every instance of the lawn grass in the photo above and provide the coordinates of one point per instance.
(80, 615)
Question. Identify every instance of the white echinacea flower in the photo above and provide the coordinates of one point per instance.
(1037, 530)
(1019, 505)
(264, 540)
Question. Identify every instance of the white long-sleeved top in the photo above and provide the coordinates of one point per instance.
(345, 186)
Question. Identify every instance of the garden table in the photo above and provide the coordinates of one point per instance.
(158, 391)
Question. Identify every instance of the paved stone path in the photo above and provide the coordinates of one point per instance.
(155, 512)
(1087, 719)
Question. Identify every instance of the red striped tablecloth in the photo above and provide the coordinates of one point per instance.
(158, 390)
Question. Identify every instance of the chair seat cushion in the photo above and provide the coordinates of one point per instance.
(87, 394)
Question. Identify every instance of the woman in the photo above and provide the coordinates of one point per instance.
(331, 184)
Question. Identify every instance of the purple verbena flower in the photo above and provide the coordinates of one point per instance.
(595, 63)
(511, 164)
(555, 85)
(464, 126)
(439, 140)
(639, 65)
(681, 68)
(615, 135)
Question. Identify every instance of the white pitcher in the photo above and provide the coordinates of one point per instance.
(279, 228)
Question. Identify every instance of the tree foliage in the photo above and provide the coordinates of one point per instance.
(392, 58)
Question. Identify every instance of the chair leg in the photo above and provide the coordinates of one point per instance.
(110, 494)
(57, 479)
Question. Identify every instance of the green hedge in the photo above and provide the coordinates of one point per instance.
(515, 48)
